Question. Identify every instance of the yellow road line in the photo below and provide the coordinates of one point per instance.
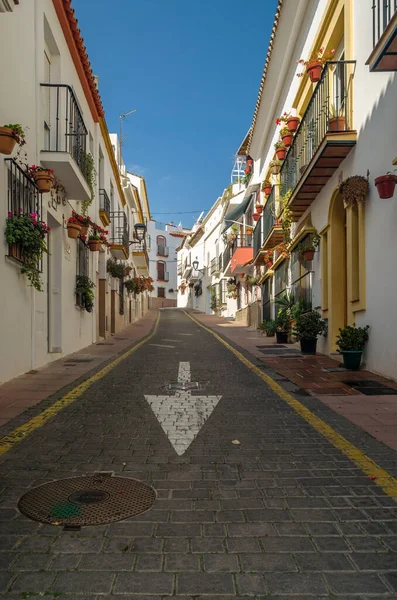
(370, 467)
(20, 433)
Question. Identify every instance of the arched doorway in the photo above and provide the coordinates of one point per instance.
(337, 270)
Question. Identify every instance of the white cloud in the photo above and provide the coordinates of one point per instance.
(137, 169)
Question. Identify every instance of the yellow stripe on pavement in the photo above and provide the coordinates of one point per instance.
(20, 433)
(370, 467)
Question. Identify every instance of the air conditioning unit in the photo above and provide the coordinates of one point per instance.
(7, 5)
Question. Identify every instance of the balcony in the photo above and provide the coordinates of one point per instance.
(180, 268)
(162, 250)
(242, 252)
(384, 36)
(119, 235)
(65, 140)
(187, 267)
(323, 140)
(140, 255)
(226, 258)
(268, 232)
(215, 266)
(104, 207)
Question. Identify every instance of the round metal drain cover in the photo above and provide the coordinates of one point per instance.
(91, 500)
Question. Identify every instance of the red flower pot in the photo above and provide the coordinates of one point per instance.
(94, 245)
(74, 230)
(308, 255)
(250, 162)
(259, 208)
(287, 139)
(281, 152)
(386, 185)
(269, 264)
(314, 70)
(84, 230)
(247, 170)
(267, 190)
(337, 124)
(7, 140)
(43, 180)
(255, 216)
(293, 124)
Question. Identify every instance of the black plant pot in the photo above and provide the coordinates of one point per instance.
(308, 345)
(282, 337)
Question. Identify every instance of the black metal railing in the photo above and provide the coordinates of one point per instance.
(162, 250)
(121, 296)
(329, 109)
(139, 246)
(382, 13)
(227, 255)
(23, 195)
(242, 241)
(64, 127)
(214, 265)
(119, 235)
(269, 215)
(258, 237)
(104, 201)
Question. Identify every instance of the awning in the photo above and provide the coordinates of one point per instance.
(236, 213)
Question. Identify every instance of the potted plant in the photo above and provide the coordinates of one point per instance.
(308, 248)
(268, 328)
(249, 230)
(281, 150)
(267, 187)
(282, 327)
(286, 136)
(268, 258)
(182, 288)
(293, 123)
(336, 119)
(85, 292)
(115, 269)
(275, 166)
(385, 184)
(73, 227)
(354, 190)
(250, 162)
(255, 216)
(85, 223)
(259, 208)
(26, 237)
(43, 178)
(308, 327)
(247, 169)
(351, 342)
(314, 65)
(94, 239)
(9, 136)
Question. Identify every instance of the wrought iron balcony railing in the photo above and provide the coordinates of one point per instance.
(104, 202)
(64, 127)
(242, 241)
(119, 235)
(329, 111)
(269, 216)
(382, 13)
(215, 267)
(162, 250)
(227, 255)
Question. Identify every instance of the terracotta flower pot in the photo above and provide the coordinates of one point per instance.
(7, 140)
(269, 264)
(337, 124)
(74, 230)
(293, 124)
(308, 255)
(275, 169)
(43, 180)
(314, 70)
(287, 139)
(281, 152)
(84, 230)
(94, 245)
(250, 162)
(247, 170)
(386, 185)
(259, 208)
(255, 216)
(267, 190)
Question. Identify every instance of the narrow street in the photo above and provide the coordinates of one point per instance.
(252, 499)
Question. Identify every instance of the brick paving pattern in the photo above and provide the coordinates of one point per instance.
(282, 515)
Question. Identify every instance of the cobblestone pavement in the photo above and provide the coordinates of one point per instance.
(283, 514)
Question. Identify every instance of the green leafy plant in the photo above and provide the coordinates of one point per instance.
(310, 244)
(18, 133)
(286, 217)
(309, 325)
(198, 289)
(352, 338)
(115, 269)
(214, 300)
(85, 291)
(90, 176)
(279, 144)
(268, 327)
(354, 190)
(284, 131)
(283, 322)
(336, 112)
(285, 303)
(283, 119)
(251, 280)
(30, 235)
(298, 308)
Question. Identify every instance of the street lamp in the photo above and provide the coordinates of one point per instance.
(139, 233)
(195, 265)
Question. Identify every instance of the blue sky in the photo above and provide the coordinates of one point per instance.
(192, 68)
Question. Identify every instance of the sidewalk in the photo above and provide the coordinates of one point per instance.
(29, 389)
(323, 378)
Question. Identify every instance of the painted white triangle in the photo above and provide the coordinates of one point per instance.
(182, 416)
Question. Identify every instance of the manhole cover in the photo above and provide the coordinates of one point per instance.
(91, 500)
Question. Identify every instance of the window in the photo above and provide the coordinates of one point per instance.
(121, 293)
(161, 270)
(162, 246)
(266, 299)
(112, 207)
(281, 278)
(82, 267)
(302, 273)
(223, 292)
(161, 292)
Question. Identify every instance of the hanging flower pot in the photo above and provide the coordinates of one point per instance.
(269, 264)
(241, 275)
(293, 123)
(281, 151)
(43, 178)
(7, 140)
(250, 162)
(84, 230)
(255, 216)
(267, 189)
(386, 185)
(314, 70)
(286, 137)
(247, 170)
(94, 245)
(73, 230)
(259, 208)
(308, 255)
(275, 167)
(337, 124)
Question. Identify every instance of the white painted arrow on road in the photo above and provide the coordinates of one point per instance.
(183, 415)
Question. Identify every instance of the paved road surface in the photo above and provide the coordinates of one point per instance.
(283, 514)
